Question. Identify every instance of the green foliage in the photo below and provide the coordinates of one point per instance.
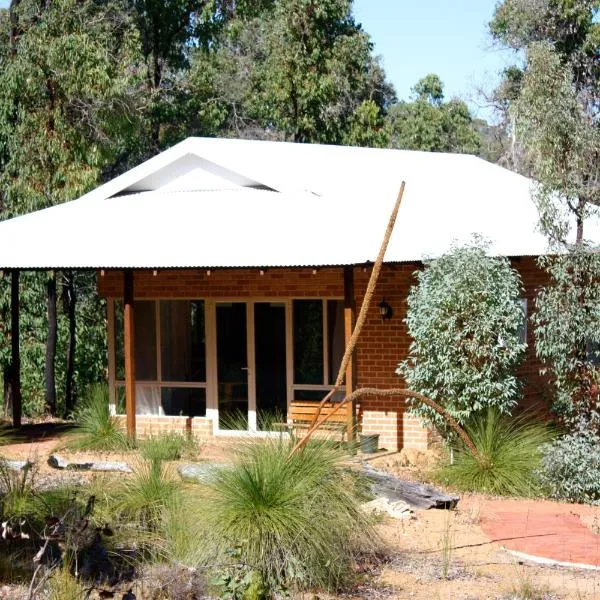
(567, 334)
(428, 123)
(147, 493)
(465, 320)
(63, 585)
(299, 70)
(570, 468)
(168, 446)
(294, 521)
(62, 123)
(17, 496)
(552, 100)
(96, 428)
(509, 451)
(563, 147)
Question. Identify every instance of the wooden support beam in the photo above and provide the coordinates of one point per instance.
(129, 351)
(15, 367)
(349, 318)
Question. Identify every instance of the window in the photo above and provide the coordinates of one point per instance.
(318, 346)
(183, 351)
(171, 381)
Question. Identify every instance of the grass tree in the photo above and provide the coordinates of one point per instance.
(465, 320)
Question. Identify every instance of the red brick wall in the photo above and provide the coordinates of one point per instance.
(536, 391)
(383, 344)
(199, 427)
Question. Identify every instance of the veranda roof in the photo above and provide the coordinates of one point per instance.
(211, 203)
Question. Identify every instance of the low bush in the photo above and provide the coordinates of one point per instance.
(96, 428)
(287, 522)
(570, 468)
(509, 450)
(147, 492)
(169, 446)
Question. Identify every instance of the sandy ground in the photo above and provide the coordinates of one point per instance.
(435, 555)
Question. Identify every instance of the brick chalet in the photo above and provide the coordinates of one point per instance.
(232, 270)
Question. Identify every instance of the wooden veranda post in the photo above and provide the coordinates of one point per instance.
(15, 367)
(349, 316)
(129, 351)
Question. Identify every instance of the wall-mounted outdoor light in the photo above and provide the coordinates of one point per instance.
(385, 310)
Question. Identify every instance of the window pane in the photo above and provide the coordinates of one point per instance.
(183, 348)
(318, 395)
(118, 341)
(335, 334)
(145, 340)
(187, 402)
(308, 342)
(120, 398)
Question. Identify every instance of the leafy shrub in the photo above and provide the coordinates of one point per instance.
(567, 334)
(509, 451)
(96, 428)
(291, 521)
(570, 468)
(168, 446)
(465, 320)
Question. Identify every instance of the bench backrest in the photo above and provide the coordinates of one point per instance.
(304, 411)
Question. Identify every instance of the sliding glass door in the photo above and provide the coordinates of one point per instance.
(270, 366)
(232, 365)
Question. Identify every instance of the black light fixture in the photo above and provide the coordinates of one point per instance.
(385, 310)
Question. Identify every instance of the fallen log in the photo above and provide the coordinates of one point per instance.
(15, 465)
(58, 462)
(415, 494)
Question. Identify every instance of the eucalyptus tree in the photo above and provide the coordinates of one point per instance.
(465, 322)
(68, 99)
(299, 70)
(430, 123)
(554, 98)
(553, 101)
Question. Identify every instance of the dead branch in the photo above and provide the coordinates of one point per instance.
(360, 321)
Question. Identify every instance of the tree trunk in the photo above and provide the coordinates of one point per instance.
(50, 367)
(7, 391)
(15, 380)
(71, 304)
(579, 216)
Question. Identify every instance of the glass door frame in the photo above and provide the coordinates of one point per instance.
(212, 399)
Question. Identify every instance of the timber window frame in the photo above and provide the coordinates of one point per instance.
(160, 385)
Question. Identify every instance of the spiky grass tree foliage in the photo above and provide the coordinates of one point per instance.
(292, 521)
(465, 320)
(509, 453)
(96, 428)
(148, 492)
(567, 335)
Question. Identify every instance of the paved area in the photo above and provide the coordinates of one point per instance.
(560, 532)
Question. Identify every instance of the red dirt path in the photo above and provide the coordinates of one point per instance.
(544, 529)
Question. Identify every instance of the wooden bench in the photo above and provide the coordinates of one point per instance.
(301, 414)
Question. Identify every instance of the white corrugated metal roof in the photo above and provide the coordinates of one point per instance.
(197, 205)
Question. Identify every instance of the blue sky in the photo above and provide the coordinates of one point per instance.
(447, 37)
(450, 38)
